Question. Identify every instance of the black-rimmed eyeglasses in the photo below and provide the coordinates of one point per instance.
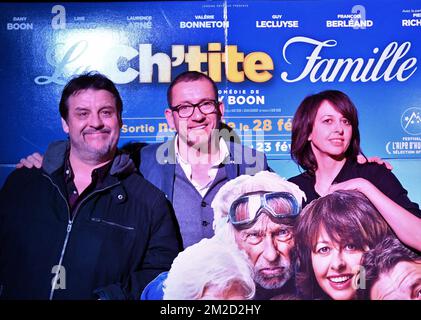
(185, 110)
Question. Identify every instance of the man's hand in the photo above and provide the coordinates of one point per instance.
(361, 160)
(34, 160)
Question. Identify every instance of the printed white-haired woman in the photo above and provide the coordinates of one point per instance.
(210, 270)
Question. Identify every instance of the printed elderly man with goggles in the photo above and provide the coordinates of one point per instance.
(259, 213)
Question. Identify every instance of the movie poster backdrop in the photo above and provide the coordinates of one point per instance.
(265, 57)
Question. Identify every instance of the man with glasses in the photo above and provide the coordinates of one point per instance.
(259, 213)
(192, 167)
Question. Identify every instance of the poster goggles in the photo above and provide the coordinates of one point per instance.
(247, 208)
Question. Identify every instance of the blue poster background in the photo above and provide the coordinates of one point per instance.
(265, 56)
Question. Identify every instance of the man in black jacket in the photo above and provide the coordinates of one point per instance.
(86, 225)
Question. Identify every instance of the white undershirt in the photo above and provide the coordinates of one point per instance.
(213, 170)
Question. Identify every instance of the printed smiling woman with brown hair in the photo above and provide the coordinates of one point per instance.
(332, 234)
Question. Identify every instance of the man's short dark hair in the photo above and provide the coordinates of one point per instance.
(90, 80)
(188, 76)
(382, 259)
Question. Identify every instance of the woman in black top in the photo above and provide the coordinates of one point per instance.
(326, 142)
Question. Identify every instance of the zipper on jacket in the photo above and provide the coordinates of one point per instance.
(68, 229)
(69, 226)
(112, 223)
(53, 284)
